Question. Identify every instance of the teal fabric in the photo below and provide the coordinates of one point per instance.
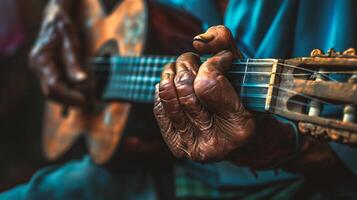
(82, 179)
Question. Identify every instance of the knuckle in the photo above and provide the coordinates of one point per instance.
(168, 67)
(189, 101)
(223, 31)
(186, 56)
(165, 87)
(183, 79)
(204, 85)
(157, 109)
(212, 61)
(184, 89)
(189, 61)
(168, 97)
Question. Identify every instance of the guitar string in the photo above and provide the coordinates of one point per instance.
(150, 89)
(243, 86)
(104, 69)
(274, 96)
(261, 61)
(157, 62)
(308, 70)
(263, 105)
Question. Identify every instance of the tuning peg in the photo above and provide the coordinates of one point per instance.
(316, 52)
(313, 130)
(349, 52)
(325, 134)
(332, 53)
(349, 111)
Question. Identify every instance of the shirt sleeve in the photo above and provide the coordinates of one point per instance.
(347, 154)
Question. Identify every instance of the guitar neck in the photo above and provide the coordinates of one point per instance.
(133, 79)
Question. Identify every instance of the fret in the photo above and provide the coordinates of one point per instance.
(147, 94)
(141, 95)
(140, 76)
(130, 82)
(125, 84)
(134, 79)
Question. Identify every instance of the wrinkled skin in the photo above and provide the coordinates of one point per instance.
(54, 57)
(201, 117)
(199, 112)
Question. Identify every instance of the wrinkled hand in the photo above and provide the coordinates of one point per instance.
(200, 114)
(54, 57)
(198, 110)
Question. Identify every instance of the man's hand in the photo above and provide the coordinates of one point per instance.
(200, 114)
(54, 57)
(201, 117)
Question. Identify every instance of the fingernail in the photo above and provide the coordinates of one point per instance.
(205, 37)
(167, 75)
(80, 76)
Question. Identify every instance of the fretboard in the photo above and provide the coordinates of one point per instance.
(133, 79)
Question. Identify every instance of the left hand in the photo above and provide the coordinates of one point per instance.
(201, 116)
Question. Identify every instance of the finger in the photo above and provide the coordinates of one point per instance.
(216, 39)
(43, 62)
(168, 96)
(60, 92)
(213, 88)
(44, 67)
(70, 51)
(170, 136)
(159, 112)
(186, 70)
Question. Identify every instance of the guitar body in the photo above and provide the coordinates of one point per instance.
(132, 28)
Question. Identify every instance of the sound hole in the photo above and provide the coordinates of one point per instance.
(109, 5)
(101, 68)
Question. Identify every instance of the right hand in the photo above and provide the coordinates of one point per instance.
(54, 58)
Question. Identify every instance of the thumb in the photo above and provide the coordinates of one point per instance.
(216, 39)
(70, 51)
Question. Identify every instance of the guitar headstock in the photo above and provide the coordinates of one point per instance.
(320, 93)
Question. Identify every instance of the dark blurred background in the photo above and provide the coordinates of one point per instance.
(21, 103)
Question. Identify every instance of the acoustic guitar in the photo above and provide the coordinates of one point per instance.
(126, 49)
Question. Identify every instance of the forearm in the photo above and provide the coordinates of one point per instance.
(277, 145)
(315, 158)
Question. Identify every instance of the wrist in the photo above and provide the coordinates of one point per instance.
(314, 158)
(274, 143)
